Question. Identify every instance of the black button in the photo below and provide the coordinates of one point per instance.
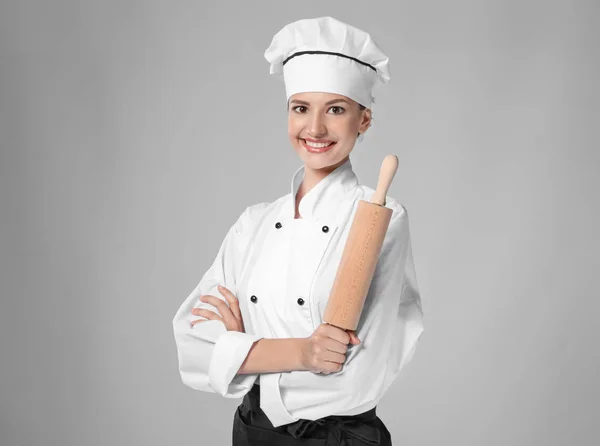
(325, 228)
(253, 298)
(278, 225)
(300, 301)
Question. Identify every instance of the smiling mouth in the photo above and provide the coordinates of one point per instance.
(317, 147)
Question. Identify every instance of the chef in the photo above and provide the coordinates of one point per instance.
(252, 328)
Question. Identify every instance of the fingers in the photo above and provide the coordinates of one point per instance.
(227, 315)
(335, 346)
(228, 308)
(337, 358)
(327, 349)
(232, 300)
(208, 314)
(334, 332)
(343, 336)
(353, 337)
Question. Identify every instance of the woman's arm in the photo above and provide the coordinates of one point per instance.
(324, 351)
(274, 355)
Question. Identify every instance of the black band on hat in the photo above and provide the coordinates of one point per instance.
(334, 54)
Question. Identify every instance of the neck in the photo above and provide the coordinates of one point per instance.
(313, 176)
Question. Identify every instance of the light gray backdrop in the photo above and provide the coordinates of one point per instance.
(133, 133)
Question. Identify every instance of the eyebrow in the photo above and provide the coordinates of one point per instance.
(298, 101)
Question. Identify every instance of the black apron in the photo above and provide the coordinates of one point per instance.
(251, 427)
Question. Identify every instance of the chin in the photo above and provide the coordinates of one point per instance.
(321, 161)
(318, 164)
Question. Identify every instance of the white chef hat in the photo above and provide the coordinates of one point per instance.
(324, 54)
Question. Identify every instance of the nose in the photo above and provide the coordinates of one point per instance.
(316, 128)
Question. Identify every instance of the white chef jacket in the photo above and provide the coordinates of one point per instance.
(282, 270)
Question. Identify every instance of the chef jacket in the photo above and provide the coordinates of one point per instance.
(282, 270)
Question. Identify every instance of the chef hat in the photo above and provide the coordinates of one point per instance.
(324, 54)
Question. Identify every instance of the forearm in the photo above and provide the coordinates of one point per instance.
(273, 356)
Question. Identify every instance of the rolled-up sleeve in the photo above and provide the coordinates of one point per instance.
(209, 356)
(389, 328)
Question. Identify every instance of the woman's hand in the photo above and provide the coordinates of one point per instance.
(231, 315)
(325, 350)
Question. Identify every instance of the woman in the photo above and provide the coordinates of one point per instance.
(253, 326)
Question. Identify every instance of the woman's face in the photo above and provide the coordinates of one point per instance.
(325, 118)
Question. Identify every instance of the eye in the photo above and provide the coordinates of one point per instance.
(339, 108)
(298, 106)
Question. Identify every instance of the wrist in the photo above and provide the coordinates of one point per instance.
(299, 354)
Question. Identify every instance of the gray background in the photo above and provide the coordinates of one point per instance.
(133, 133)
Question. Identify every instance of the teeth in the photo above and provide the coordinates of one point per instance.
(317, 145)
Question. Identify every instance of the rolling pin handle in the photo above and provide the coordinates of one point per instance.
(386, 175)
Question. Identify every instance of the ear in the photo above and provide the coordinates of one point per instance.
(365, 122)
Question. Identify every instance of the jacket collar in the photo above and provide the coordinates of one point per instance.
(323, 200)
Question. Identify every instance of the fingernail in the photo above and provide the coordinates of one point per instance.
(220, 287)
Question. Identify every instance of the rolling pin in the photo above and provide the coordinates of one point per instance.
(361, 253)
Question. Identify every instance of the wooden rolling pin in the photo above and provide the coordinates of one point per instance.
(361, 253)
